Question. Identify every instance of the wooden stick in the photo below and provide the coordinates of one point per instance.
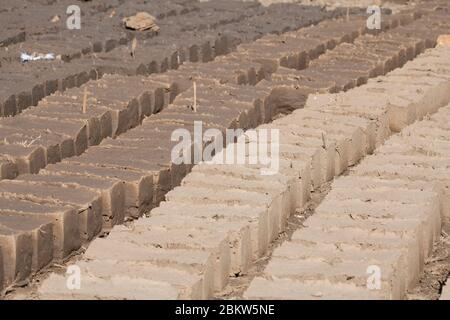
(133, 47)
(85, 100)
(195, 97)
(348, 14)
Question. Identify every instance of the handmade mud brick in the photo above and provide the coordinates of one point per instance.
(374, 238)
(393, 259)
(286, 289)
(115, 158)
(429, 224)
(77, 132)
(278, 192)
(193, 261)
(8, 168)
(27, 159)
(137, 185)
(238, 234)
(414, 170)
(230, 197)
(187, 284)
(98, 119)
(65, 220)
(342, 272)
(298, 177)
(41, 230)
(327, 149)
(253, 218)
(56, 146)
(214, 243)
(8, 106)
(17, 249)
(403, 229)
(87, 203)
(115, 288)
(354, 135)
(430, 190)
(327, 140)
(112, 191)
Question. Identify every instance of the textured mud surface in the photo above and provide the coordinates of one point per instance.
(87, 178)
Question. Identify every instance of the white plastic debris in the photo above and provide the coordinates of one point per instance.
(25, 57)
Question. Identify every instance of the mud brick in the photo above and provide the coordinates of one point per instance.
(75, 131)
(301, 79)
(138, 186)
(182, 116)
(413, 45)
(41, 230)
(8, 106)
(24, 100)
(26, 159)
(8, 168)
(198, 261)
(97, 117)
(148, 163)
(279, 193)
(256, 219)
(195, 195)
(87, 203)
(215, 243)
(38, 93)
(346, 52)
(394, 56)
(143, 153)
(112, 191)
(17, 249)
(51, 143)
(340, 31)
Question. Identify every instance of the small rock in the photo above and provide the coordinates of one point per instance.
(55, 19)
(141, 21)
(443, 40)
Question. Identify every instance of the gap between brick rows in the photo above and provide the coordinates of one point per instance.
(227, 215)
(96, 207)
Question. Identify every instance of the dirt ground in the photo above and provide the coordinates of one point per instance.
(436, 272)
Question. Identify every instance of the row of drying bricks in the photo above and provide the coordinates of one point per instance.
(380, 221)
(202, 45)
(112, 198)
(101, 120)
(32, 20)
(165, 116)
(224, 216)
(193, 46)
(117, 183)
(99, 32)
(49, 77)
(129, 110)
